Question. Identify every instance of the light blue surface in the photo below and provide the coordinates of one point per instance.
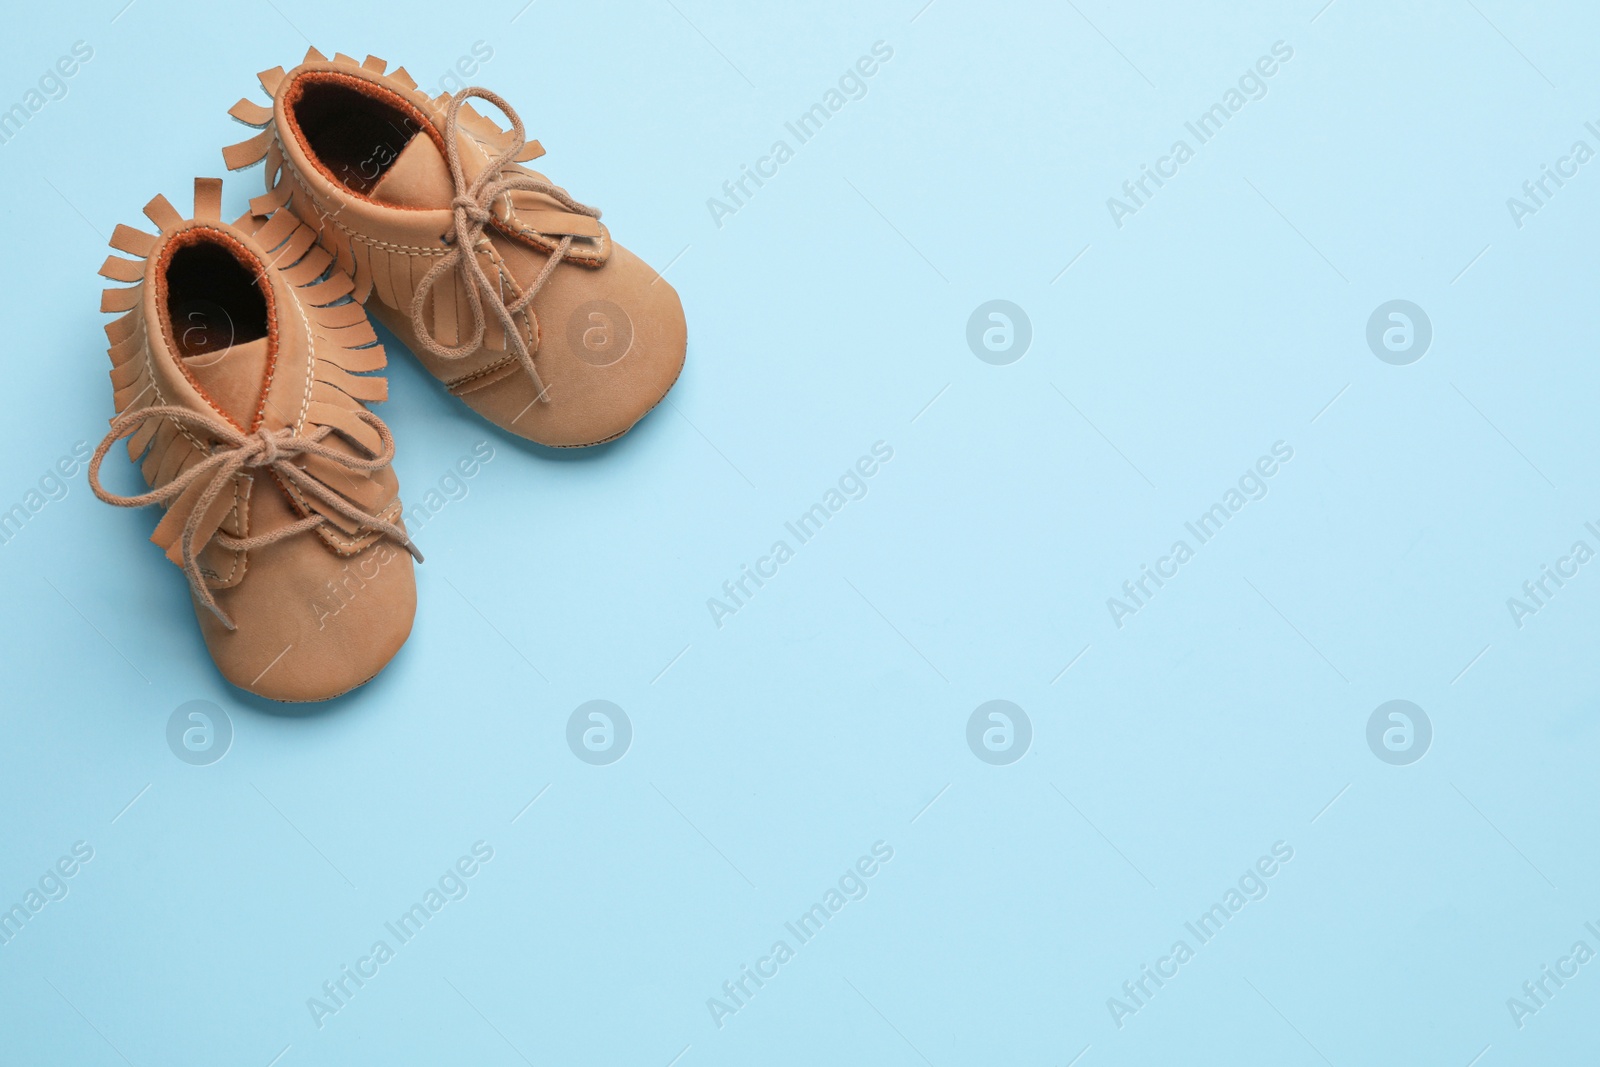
(828, 313)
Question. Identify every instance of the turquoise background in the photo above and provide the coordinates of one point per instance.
(828, 313)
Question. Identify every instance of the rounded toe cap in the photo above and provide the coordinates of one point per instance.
(612, 342)
(311, 629)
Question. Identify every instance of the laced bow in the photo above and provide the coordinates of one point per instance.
(471, 206)
(263, 450)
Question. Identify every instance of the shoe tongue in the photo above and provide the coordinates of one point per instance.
(232, 378)
(418, 178)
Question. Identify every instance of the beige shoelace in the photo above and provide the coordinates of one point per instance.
(264, 450)
(472, 213)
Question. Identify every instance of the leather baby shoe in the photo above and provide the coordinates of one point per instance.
(508, 290)
(239, 367)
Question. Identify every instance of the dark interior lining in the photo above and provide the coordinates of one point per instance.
(213, 300)
(354, 135)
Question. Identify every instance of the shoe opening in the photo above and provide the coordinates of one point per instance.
(213, 301)
(352, 129)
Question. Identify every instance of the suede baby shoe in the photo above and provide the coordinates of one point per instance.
(507, 289)
(239, 368)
